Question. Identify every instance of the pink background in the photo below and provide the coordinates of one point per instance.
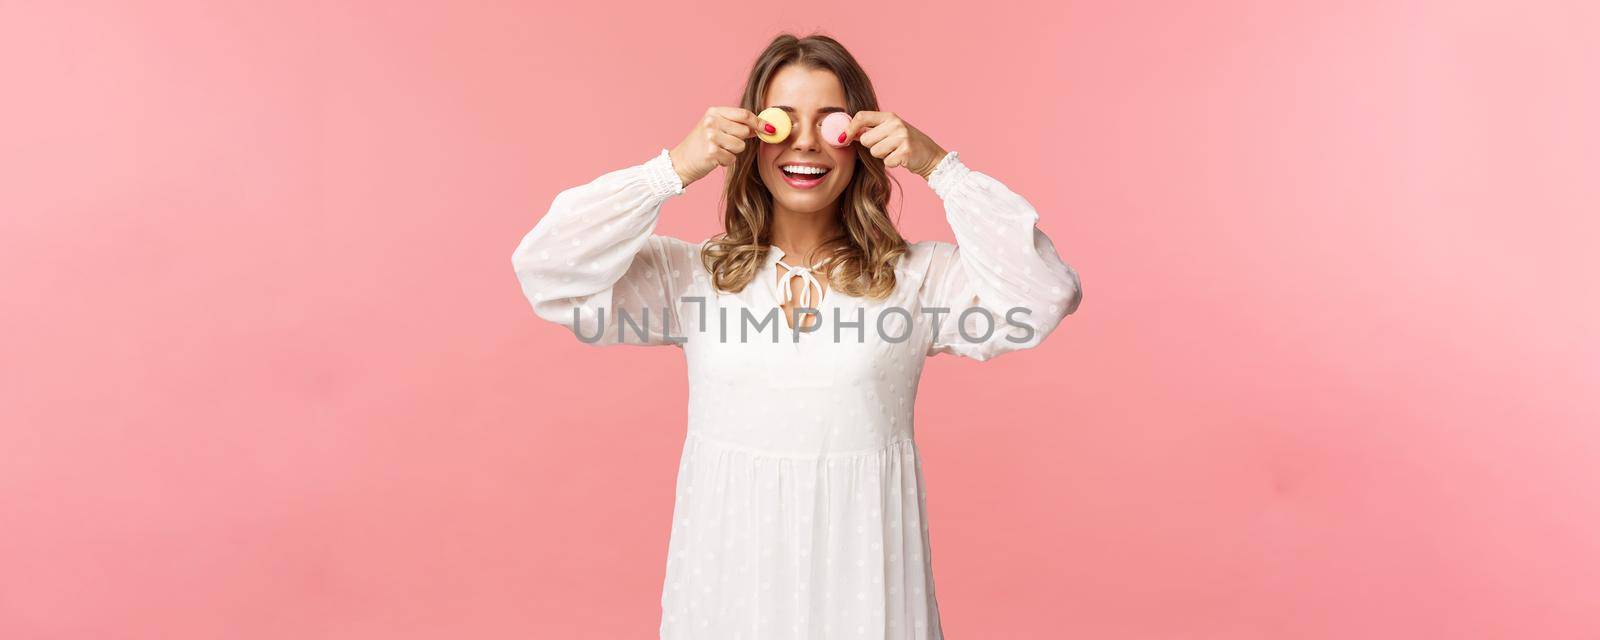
(268, 373)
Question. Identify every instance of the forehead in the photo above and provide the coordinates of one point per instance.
(805, 89)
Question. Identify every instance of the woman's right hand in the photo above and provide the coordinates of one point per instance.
(717, 139)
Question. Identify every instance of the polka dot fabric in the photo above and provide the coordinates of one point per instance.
(800, 510)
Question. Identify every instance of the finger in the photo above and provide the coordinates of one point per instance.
(865, 120)
(868, 137)
(723, 157)
(738, 114)
(876, 135)
(898, 157)
(734, 128)
(728, 142)
(885, 147)
(885, 130)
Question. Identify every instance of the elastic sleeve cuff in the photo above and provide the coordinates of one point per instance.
(948, 174)
(663, 179)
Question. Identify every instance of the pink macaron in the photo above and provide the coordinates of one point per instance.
(833, 128)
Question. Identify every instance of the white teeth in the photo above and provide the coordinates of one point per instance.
(795, 168)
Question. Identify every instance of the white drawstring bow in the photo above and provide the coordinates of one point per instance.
(807, 279)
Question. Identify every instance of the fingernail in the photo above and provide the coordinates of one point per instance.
(841, 137)
(771, 129)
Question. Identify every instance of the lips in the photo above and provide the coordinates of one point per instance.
(803, 176)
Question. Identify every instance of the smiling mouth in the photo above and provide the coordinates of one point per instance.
(803, 177)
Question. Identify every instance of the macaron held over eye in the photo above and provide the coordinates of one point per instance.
(779, 120)
(833, 127)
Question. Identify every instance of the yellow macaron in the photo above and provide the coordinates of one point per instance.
(780, 121)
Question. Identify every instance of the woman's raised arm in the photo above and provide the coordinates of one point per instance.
(592, 263)
(1001, 266)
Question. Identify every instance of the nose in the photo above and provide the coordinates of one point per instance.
(804, 136)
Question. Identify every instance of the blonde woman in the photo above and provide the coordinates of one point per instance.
(800, 510)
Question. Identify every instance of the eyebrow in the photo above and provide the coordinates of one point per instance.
(821, 110)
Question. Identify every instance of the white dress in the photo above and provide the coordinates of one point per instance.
(800, 510)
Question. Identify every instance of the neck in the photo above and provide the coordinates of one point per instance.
(799, 234)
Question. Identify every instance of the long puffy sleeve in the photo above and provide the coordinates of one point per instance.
(1001, 263)
(594, 254)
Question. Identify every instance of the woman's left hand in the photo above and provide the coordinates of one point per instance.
(886, 136)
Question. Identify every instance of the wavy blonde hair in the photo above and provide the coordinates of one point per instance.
(860, 261)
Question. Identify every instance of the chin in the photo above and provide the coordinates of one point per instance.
(803, 204)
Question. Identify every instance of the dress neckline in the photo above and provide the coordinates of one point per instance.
(782, 293)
